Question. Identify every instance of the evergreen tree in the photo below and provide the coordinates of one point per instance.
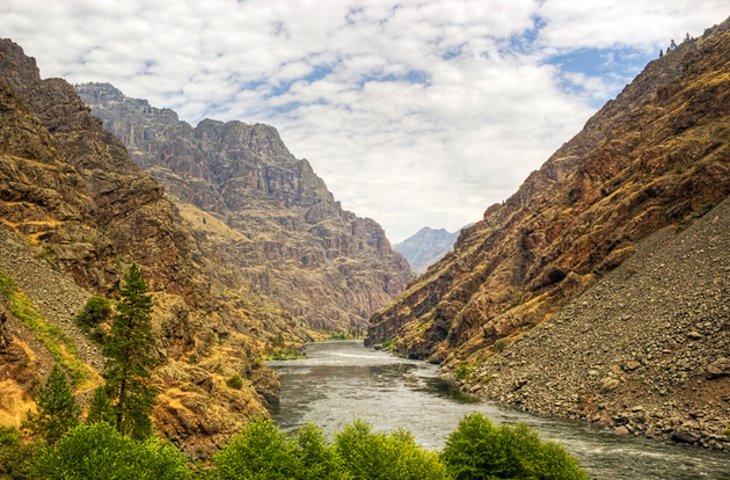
(130, 352)
(100, 407)
(58, 411)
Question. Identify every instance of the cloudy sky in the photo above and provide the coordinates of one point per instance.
(415, 112)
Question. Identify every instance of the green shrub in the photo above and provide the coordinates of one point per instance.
(6, 285)
(260, 452)
(99, 452)
(235, 382)
(96, 311)
(318, 458)
(479, 450)
(16, 458)
(339, 336)
(501, 345)
(370, 456)
(463, 371)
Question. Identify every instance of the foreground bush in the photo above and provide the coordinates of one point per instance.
(479, 450)
(263, 452)
(16, 457)
(260, 452)
(370, 456)
(100, 452)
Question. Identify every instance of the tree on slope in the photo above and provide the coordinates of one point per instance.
(58, 411)
(130, 352)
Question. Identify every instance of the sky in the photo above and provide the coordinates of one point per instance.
(414, 112)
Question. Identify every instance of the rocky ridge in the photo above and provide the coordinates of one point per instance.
(75, 211)
(653, 158)
(293, 243)
(425, 247)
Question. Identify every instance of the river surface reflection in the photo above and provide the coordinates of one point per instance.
(340, 381)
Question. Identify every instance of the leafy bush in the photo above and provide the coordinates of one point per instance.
(478, 450)
(99, 452)
(235, 382)
(96, 311)
(15, 456)
(370, 456)
(260, 452)
(319, 459)
(463, 371)
(501, 345)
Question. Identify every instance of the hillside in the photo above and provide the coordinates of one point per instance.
(425, 247)
(645, 351)
(75, 212)
(286, 234)
(656, 157)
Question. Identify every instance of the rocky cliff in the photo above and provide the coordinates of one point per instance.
(75, 211)
(291, 240)
(658, 156)
(425, 247)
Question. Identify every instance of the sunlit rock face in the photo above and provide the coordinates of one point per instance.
(75, 212)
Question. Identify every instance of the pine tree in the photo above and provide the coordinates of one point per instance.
(131, 354)
(58, 411)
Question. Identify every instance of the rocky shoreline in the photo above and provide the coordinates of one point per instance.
(645, 351)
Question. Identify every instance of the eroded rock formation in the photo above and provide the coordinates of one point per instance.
(292, 241)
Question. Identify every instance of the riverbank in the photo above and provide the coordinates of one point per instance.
(338, 382)
(644, 352)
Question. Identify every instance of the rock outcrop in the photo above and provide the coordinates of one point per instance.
(425, 247)
(291, 240)
(657, 156)
(75, 211)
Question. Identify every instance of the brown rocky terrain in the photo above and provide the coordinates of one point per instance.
(655, 157)
(645, 351)
(75, 211)
(285, 233)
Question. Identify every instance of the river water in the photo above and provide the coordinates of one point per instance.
(338, 382)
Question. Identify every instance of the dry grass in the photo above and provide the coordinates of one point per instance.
(14, 403)
(61, 347)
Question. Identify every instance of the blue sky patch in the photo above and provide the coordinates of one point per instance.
(412, 76)
(524, 41)
(600, 62)
(317, 73)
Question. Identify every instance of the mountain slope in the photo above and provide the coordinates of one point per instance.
(295, 244)
(646, 350)
(75, 211)
(658, 155)
(425, 247)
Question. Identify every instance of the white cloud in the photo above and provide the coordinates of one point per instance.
(415, 112)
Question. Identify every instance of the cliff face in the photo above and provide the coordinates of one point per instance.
(657, 155)
(293, 243)
(75, 211)
(425, 247)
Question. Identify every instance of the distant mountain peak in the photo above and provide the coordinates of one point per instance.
(425, 247)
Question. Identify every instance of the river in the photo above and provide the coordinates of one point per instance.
(338, 382)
